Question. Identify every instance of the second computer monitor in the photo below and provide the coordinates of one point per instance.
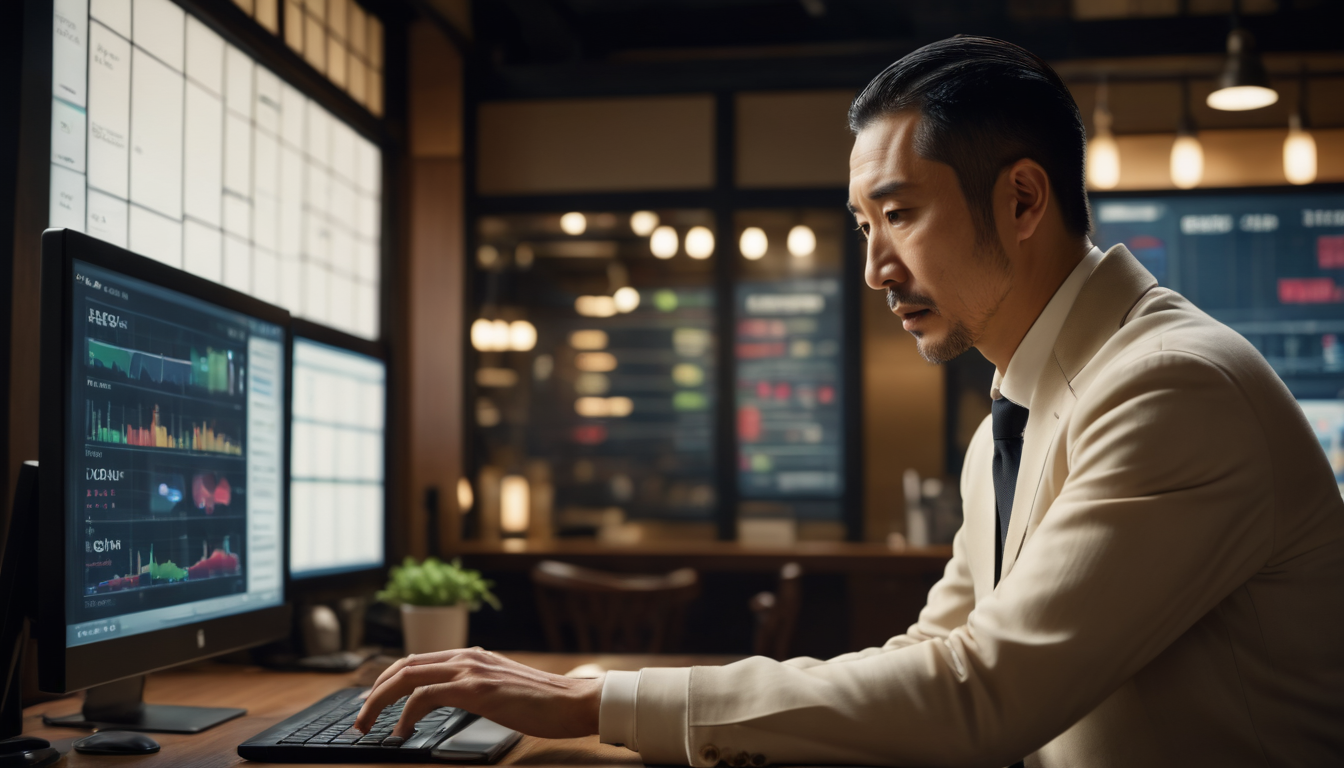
(338, 504)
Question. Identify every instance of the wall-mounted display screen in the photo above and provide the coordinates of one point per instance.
(1271, 266)
(169, 141)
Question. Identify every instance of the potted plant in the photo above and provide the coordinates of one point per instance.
(435, 598)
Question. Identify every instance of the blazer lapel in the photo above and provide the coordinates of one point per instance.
(1111, 291)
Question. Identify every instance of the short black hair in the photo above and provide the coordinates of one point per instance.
(984, 104)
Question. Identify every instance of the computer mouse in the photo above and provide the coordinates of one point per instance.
(117, 743)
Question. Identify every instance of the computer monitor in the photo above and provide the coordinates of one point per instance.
(163, 476)
(338, 462)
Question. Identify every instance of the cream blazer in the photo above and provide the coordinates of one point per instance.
(1172, 590)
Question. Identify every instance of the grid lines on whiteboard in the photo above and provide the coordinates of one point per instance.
(170, 142)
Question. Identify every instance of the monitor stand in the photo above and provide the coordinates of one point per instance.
(15, 597)
(121, 706)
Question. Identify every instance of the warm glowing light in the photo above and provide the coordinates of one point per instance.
(514, 504)
(1187, 162)
(522, 336)
(490, 335)
(699, 243)
(573, 223)
(588, 339)
(643, 222)
(604, 407)
(1103, 161)
(595, 362)
(1299, 157)
(595, 306)
(523, 255)
(627, 299)
(663, 243)
(802, 241)
(487, 256)
(753, 243)
(1240, 98)
(465, 498)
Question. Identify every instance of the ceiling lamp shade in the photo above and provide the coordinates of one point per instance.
(1103, 153)
(1244, 84)
(643, 222)
(699, 243)
(664, 242)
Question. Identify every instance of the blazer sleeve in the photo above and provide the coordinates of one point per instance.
(1167, 508)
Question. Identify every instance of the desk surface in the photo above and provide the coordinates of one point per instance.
(270, 697)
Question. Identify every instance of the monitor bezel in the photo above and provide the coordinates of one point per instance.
(362, 580)
(63, 669)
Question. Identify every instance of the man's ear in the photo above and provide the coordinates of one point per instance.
(1030, 188)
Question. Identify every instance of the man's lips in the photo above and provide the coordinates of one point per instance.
(911, 317)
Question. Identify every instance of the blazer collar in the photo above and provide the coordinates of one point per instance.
(1115, 286)
(1112, 290)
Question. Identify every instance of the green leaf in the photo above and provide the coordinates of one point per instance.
(434, 582)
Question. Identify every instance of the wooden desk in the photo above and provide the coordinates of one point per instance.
(270, 697)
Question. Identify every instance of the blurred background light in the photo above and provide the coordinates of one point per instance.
(753, 243)
(595, 306)
(643, 222)
(574, 223)
(802, 241)
(627, 299)
(588, 339)
(663, 243)
(699, 243)
(522, 336)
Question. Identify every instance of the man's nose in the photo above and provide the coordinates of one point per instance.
(882, 266)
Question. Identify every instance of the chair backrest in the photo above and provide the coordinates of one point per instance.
(777, 613)
(612, 612)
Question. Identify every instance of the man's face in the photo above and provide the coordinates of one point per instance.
(942, 279)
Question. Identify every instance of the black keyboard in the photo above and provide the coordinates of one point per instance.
(325, 733)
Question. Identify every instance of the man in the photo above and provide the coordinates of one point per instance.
(1151, 569)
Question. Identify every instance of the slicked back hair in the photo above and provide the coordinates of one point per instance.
(984, 104)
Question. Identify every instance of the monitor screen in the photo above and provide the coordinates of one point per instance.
(337, 461)
(174, 459)
(1270, 265)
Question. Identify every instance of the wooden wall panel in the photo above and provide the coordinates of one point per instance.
(793, 139)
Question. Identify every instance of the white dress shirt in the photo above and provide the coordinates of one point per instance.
(1033, 354)
(616, 713)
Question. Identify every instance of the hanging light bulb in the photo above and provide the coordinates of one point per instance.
(522, 336)
(626, 298)
(1299, 149)
(643, 222)
(753, 243)
(1187, 155)
(1244, 84)
(802, 241)
(663, 243)
(699, 243)
(1103, 153)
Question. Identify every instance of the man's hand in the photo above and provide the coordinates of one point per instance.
(511, 694)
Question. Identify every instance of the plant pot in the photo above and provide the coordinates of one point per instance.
(429, 628)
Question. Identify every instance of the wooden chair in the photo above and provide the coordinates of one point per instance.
(777, 614)
(612, 612)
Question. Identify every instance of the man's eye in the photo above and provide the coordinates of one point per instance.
(864, 229)
(893, 215)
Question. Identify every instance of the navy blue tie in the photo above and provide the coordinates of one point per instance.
(1009, 421)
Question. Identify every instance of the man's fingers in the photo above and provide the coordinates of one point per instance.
(402, 683)
(416, 660)
(424, 700)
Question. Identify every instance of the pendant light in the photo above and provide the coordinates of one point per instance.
(1299, 149)
(1103, 153)
(1244, 84)
(1187, 154)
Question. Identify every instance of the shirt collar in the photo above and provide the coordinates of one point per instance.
(1033, 354)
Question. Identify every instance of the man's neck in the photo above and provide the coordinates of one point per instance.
(1036, 279)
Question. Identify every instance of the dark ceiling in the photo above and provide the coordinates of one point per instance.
(526, 48)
